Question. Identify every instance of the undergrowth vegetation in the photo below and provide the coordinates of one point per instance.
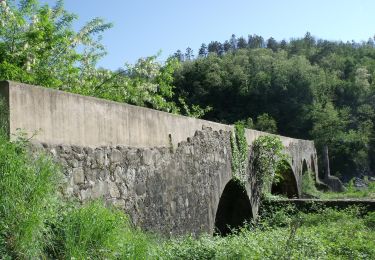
(35, 222)
(27, 200)
(353, 193)
(285, 234)
(98, 232)
(309, 189)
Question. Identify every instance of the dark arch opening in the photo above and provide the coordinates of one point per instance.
(304, 167)
(287, 185)
(234, 209)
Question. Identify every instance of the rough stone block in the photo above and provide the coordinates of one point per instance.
(147, 157)
(113, 190)
(140, 188)
(116, 156)
(85, 194)
(119, 203)
(99, 189)
(78, 176)
(100, 156)
(73, 163)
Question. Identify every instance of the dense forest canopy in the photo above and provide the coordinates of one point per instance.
(305, 88)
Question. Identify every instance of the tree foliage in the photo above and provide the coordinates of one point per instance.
(304, 88)
(38, 45)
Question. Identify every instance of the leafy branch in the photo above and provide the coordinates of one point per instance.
(268, 161)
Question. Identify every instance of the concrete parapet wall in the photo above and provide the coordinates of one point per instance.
(64, 118)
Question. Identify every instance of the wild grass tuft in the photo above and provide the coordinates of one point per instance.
(93, 231)
(27, 197)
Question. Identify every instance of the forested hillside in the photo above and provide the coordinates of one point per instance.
(306, 88)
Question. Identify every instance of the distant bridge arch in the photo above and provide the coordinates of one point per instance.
(286, 183)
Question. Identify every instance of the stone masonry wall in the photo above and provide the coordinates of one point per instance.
(169, 192)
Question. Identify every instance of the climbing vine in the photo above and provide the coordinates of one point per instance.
(268, 161)
(239, 153)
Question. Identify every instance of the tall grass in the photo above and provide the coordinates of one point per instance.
(330, 234)
(27, 200)
(94, 231)
(35, 222)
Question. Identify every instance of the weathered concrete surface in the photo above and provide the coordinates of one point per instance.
(167, 171)
(64, 118)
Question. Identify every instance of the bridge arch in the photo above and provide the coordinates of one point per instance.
(233, 210)
(287, 185)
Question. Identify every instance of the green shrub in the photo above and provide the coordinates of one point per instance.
(277, 216)
(27, 200)
(268, 158)
(94, 231)
(189, 248)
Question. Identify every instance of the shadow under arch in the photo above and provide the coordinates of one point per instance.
(287, 185)
(311, 171)
(233, 210)
(304, 167)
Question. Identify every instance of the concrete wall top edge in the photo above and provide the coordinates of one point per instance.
(104, 101)
(68, 118)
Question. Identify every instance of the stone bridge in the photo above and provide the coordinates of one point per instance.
(172, 174)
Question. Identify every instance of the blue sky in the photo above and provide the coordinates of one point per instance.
(142, 28)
